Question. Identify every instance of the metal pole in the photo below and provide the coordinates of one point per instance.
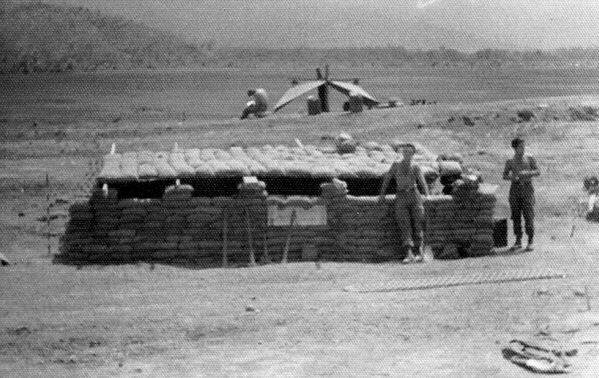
(250, 240)
(288, 241)
(225, 232)
(48, 212)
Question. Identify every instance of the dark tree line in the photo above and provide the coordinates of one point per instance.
(38, 37)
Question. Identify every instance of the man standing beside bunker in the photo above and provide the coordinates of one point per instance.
(409, 208)
(520, 170)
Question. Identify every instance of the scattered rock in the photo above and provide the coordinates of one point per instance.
(20, 331)
(345, 144)
(585, 113)
(44, 218)
(468, 121)
(61, 201)
(525, 115)
(3, 260)
(60, 134)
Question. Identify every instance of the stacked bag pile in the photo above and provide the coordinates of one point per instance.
(181, 228)
(366, 230)
(461, 223)
(349, 161)
(177, 228)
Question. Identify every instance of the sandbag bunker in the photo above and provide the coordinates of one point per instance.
(210, 207)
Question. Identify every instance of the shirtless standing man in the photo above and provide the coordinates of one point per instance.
(520, 170)
(409, 208)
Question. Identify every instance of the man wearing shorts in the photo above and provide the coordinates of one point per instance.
(409, 209)
(520, 170)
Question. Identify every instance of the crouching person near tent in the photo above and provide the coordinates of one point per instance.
(409, 208)
(520, 170)
(258, 105)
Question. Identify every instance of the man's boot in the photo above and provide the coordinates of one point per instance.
(418, 255)
(518, 243)
(409, 257)
(530, 245)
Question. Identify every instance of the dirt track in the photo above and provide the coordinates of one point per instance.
(292, 320)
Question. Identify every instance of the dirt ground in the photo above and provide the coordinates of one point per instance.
(295, 320)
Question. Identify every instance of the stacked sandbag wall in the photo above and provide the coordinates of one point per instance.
(182, 229)
(461, 223)
(366, 230)
(363, 229)
(177, 228)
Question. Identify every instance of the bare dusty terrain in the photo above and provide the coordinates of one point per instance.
(296, 320)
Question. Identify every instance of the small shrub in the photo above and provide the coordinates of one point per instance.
(590, 110)
(526, 115)
(578, 114)
(468, 121)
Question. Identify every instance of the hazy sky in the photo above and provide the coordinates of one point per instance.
(323, 23)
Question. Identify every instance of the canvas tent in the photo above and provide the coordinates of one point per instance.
(322, 84)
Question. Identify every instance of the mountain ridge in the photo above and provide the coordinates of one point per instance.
(44, 37)
(40, 37)
(531, 24)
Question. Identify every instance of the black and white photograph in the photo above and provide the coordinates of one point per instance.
(299, 188)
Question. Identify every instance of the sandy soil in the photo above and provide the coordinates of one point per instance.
(294, 320)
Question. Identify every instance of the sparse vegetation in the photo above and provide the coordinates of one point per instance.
(526, 114)
(38, 37)
(585, 113)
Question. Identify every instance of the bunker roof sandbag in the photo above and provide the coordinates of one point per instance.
(369, 161)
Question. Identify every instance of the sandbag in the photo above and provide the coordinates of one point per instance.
(112, 167)
(145, 157)
(237, 152)
(182, 169)
(222, 155)
(163, 168)
(129, 166)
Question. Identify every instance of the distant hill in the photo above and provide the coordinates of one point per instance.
(57, 36)
(39, 37)
(466, 25)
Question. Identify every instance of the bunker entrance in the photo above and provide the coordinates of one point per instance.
(293, 186)
(203, 187)
(367, 187)
(228, 186)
